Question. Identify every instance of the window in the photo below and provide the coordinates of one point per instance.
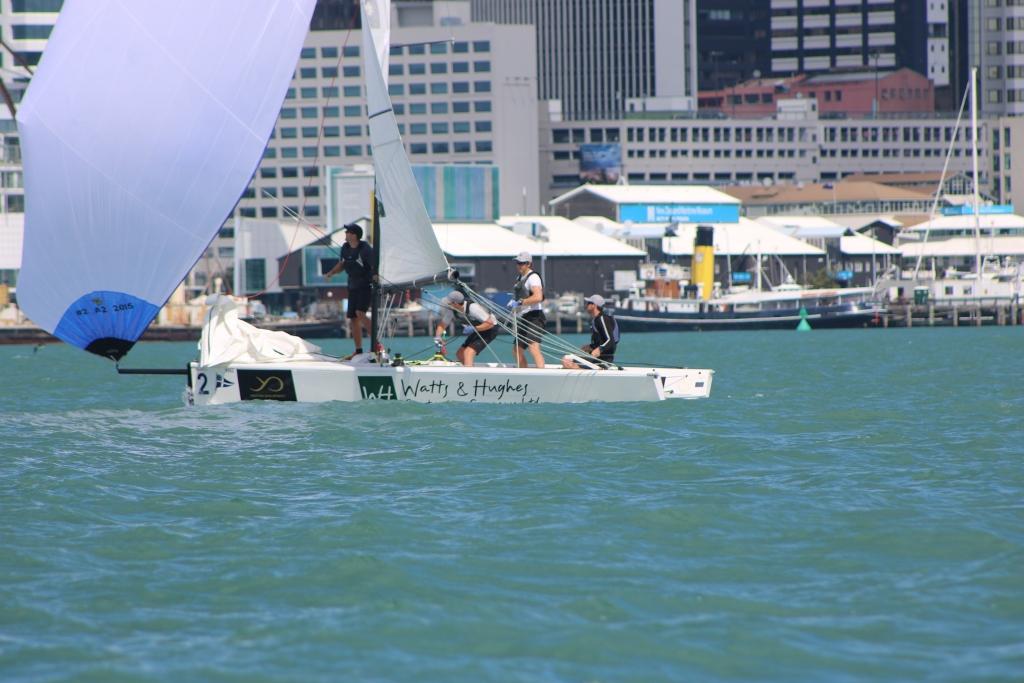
(307, 93)
(439, 128)
(396, 89)
(353, 150)
(329, 71)
(458, 47)
(418, 148)
(289, 153)
(417, 129)
(309, 152)
(255, 275)
(310, 132)
(331, 112)
(353, 131)
(307, 52)
(483, 146)
(482, 66)
(439, 148)
(399, 109)
(353, 110)
(31, 31)
(461, 147)
(289, 172)
(289, 94)
(352, 91)
(460, 107)
(288, 133)
(460, 67)
(438, 88)
(350, 71)
(329, 52)
(482, 106)
(289, 192)
(309, 112)
(396, 69)
(268, 172)
(483, 126)
(417, 89)
(307, 72)
(438, 68)
(439, 49)
(351, 51)
(332, 151)
(268, 212)
(460, 87)
(287, 112)
(460, 127)
(481, 46)
(482, 86)
(417, 49)
(16, 203)
(417, 108)
(311, 191)
(247, 212)
(438, 107)
(417, 69)
(329, 92)
(310, 172)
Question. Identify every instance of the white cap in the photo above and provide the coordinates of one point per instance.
(453, 298)
(595, 299)
(524, 257)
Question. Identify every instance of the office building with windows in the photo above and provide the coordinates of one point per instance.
(594, 56)
(996, 47)
(795, 145)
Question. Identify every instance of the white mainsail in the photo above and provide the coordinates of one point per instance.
(408, 247)
(140, 129)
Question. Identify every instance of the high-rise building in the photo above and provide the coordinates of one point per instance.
(996, 47)
(734, 44)
(595, 56)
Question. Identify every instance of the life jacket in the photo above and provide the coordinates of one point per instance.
(519, 291)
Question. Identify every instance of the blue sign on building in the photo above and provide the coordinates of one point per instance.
(984, 210)
(679, 213)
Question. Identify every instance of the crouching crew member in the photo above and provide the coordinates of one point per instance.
(604, 334)
(478, 325)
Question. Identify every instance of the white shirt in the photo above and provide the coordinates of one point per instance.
(477, 313)
(532, 280)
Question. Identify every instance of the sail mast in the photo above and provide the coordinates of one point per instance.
(974, 160)
(375, 282)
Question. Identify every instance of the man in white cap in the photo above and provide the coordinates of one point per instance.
(604, 334)
(478, 325)
(528, 300)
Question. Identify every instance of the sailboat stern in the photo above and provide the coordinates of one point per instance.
(685, 382)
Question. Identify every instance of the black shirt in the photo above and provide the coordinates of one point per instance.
(358, 264)
(604, 333)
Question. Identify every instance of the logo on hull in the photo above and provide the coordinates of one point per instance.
(266, 385)
(378, 388)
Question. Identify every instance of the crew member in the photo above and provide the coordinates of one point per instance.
(604, 334)
(357, 260)
(528, 300)
(478, 325)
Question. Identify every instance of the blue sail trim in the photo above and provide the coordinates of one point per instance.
(105, 323)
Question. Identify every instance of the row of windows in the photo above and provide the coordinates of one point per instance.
(19, 6)
(440, 48)
(312, 211)
(31, 31)
(414, 108)
(395, 89)
(354, 131)
(334, 151)
(437, 68)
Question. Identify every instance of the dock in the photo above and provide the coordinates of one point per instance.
(968, 312)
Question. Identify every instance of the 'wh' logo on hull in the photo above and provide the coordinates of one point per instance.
(378, 389)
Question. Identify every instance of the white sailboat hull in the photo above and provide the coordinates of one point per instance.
(314, 381)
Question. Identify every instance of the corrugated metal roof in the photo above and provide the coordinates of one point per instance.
(499, 240)
(965, 246)
(991, 221)
(652, 194)
(862, 245)
(804, 227)
(733, 239)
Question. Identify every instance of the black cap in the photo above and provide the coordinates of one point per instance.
(352, 227)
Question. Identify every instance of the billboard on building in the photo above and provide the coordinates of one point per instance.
(679, 213)
(600, 163)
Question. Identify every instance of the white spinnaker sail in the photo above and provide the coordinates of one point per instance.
(140, 129)
(408, 247)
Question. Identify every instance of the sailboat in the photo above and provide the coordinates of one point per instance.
(990, 280)
(137, 147)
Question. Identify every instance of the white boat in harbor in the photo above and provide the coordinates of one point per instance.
(123, 198)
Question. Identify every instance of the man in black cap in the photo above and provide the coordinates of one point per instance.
(357, 260)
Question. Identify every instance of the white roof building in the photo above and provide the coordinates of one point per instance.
(745, 238)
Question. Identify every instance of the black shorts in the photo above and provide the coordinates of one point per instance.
(533, 330)
(478, 341)
(358, 300)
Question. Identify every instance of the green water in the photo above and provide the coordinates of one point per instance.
(848, 506)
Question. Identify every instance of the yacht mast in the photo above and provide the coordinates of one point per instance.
(974, 161)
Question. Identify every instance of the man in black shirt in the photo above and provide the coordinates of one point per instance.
(604, 334)
(357, 260)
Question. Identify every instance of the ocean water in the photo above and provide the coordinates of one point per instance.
(847, 506)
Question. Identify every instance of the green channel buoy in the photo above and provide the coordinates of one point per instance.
(804, 326)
